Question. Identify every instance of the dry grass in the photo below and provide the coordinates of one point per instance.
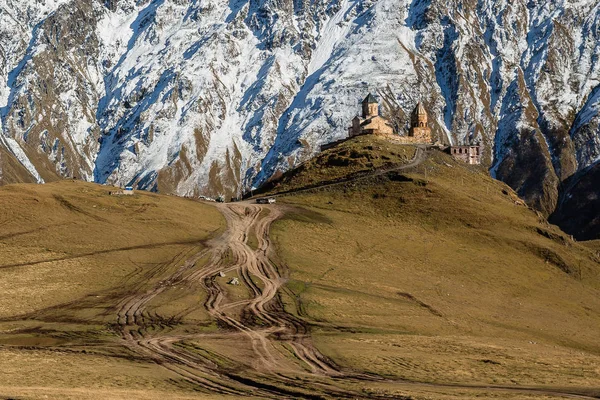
(350, 159)
(38, 374)
(442, 275)
(439, 275)
(469, 359)
(68, 253)
(35, 368)
(63, 241)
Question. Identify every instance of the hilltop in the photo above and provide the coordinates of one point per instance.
(360, 156)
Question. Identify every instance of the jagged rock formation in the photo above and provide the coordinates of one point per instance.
(210, 97)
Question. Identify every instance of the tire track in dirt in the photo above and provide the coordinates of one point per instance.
(263, 322)
(231, 253)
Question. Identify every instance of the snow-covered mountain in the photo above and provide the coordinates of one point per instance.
(213, 96)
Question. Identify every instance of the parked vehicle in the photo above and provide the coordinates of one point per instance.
(266, 200)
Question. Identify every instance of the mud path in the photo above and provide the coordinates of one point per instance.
(283, 361)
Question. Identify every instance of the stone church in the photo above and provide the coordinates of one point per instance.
(372, 123)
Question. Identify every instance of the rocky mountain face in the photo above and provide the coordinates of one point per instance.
(578, 210)
(212, 97)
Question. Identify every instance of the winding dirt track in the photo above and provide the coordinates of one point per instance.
(262, 322)
(285, 362)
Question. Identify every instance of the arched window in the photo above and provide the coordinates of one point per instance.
(421, 124)
(460, 151)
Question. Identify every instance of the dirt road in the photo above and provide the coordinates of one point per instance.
(281, 360)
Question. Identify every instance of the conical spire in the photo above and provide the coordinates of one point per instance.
(370, 99)
(420, 109)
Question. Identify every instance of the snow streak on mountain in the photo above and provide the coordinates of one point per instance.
(213, 96)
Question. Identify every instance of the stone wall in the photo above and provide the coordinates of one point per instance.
(422, 135)
(377, 126)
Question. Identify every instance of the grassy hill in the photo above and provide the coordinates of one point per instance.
(68, 253)
(407, 274)
(440, 274)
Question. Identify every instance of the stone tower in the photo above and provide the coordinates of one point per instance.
(419, 125)
(419, 117)
(370, 107)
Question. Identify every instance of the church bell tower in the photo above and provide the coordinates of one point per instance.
(370, 107)
(419, 125)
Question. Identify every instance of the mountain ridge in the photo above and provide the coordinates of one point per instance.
(215, 97)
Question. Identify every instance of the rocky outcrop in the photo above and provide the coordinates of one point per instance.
(523, 157)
